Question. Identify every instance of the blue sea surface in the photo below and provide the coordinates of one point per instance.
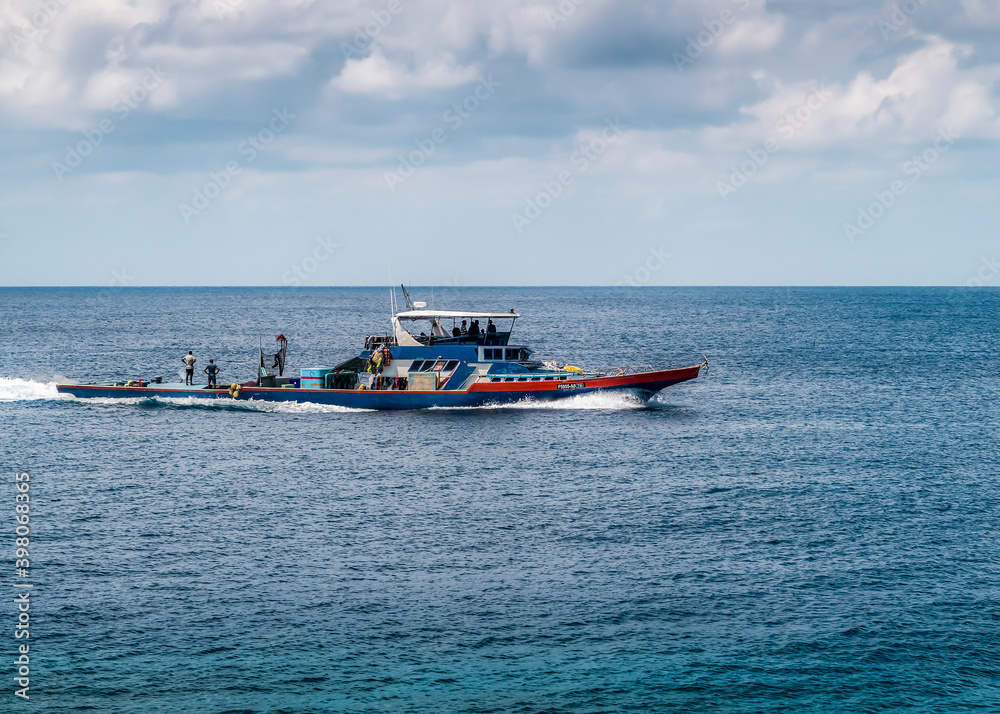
(810, 526)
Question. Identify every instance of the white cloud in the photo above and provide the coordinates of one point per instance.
(64, 69)
(376, 75)
(982, 13)
(752, 35)
(927, 90)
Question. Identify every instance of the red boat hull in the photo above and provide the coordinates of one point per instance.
(651, 382)
(481, 393)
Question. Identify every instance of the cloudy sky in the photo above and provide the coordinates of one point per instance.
(510, 142)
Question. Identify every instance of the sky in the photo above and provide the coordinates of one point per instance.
(509, 142)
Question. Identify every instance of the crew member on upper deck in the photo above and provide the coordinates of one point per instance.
(491, 329)
(474, 328)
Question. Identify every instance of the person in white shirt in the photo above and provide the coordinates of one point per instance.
(189, 360)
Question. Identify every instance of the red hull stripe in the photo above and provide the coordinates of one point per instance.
(630, 380)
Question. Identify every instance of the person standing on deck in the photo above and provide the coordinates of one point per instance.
(211, 370)
(189, 360)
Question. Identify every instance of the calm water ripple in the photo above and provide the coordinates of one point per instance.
(810, 527)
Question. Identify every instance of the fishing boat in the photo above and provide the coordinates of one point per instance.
(429, 358)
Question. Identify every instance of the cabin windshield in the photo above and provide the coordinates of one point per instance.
(434, 365)
(423, 327)
(506, 354)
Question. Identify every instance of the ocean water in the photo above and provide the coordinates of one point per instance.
(811, 526)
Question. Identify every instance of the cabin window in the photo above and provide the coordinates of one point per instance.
(417, 366)
(438, 366)
(513, 354)
(451, 365)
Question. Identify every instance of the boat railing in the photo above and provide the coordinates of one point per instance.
(622, 371)
(493, 339)
(375, 341)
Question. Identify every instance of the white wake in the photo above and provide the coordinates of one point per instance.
(26, 390)
(13, 389)
(602, 401)
(223, 403)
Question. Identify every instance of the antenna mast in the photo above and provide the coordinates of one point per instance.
(406, 296)
(392, 304)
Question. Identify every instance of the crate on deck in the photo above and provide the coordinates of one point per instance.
(422, 381)
(314, 377)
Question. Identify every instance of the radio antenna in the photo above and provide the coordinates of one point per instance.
(406, 296)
